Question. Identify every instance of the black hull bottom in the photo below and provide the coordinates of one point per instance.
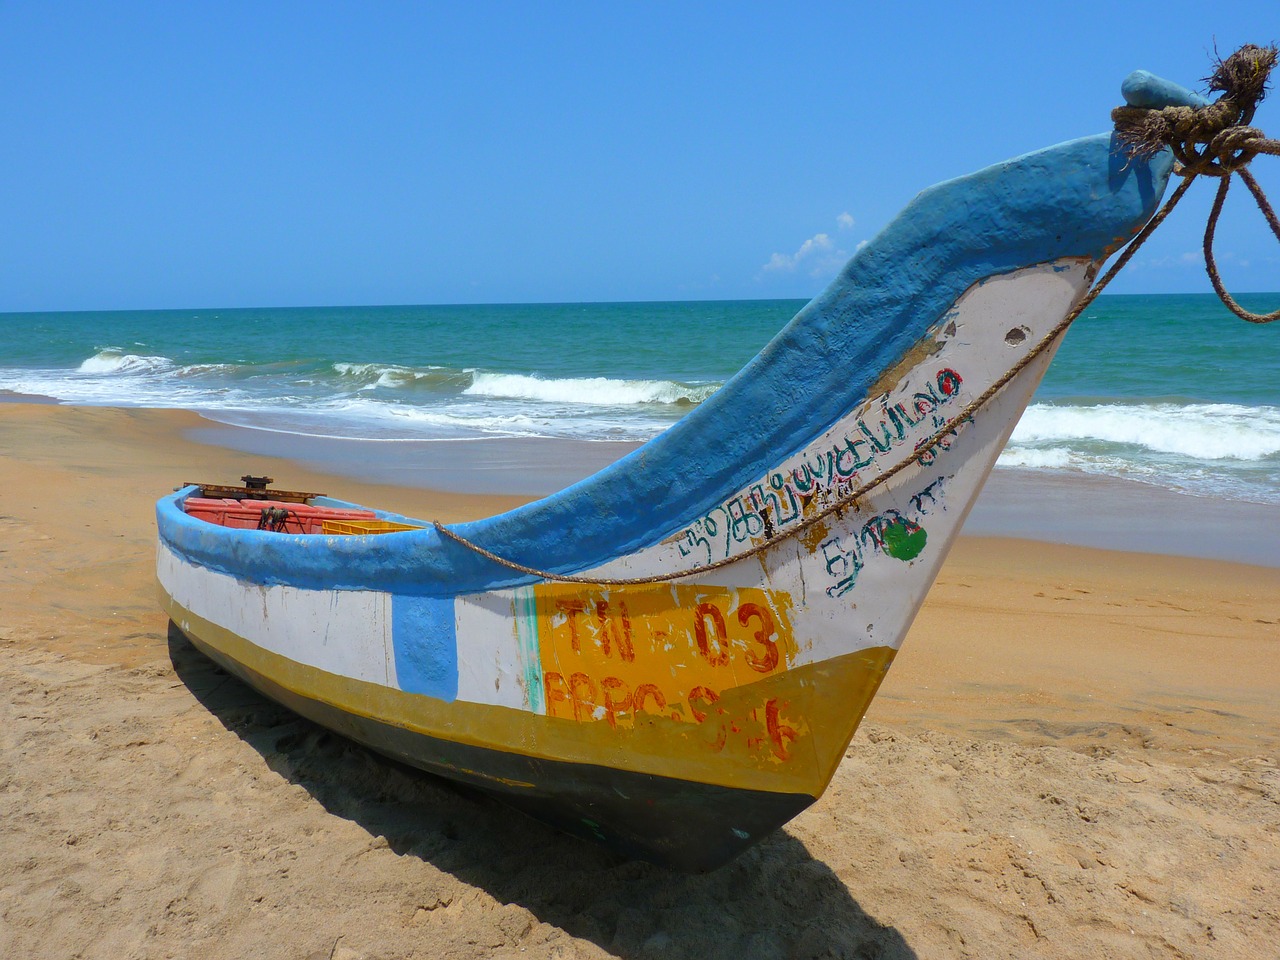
(675, 823)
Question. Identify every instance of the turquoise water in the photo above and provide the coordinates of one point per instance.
(1168, 390)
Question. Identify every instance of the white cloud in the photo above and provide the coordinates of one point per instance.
(819, 256)
(819, 245)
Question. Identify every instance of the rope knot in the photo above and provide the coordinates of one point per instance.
(1210, 140)
(1207, 139)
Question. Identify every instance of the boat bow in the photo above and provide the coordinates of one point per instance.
(680, 721)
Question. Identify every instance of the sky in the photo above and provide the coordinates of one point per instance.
(169, 155)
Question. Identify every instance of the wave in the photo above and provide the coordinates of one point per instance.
(1220, 450)
(366, 418)
(591, 391)
(1037, 459)
(112, 360)
(414, 385)
(393, 376)
(1206, 431)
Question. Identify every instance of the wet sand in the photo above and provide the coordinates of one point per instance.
(1076, 754)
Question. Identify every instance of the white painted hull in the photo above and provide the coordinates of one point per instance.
(679, 718)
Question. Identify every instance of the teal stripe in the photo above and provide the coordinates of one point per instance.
(525, 608)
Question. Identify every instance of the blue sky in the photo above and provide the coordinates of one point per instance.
(278, 154)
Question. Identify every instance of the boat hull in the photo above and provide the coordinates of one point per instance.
(675, 722)
(717, 609)
(678, 723)
(678, 822)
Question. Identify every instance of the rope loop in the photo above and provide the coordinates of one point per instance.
(1211, 265)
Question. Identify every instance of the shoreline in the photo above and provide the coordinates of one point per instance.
(1076, 753)
(1051, 507)
(1043, 506)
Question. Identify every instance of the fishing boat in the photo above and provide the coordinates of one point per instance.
(672, 656)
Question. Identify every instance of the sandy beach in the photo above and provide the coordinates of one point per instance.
(1077, 754)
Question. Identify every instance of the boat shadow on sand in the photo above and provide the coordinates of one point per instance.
(774, 901)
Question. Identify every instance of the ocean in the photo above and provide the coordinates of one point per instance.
(1165, 390)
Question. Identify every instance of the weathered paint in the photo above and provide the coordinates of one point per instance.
(425, 643)
(688, 824)
(749, 679)
(902, 539)
(344, 633)
(844, 600)
(811, 727)
(615, 654)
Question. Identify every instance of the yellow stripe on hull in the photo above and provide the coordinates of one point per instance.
(783, 734)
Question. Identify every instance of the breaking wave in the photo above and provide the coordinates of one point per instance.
(110, 360)
(1217, 450)
(391, 376)
(596, 391)
(1213, 431)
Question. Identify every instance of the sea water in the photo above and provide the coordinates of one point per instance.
(1168, 390)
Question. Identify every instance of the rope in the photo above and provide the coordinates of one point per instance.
(847, 499)
(1211, 266)
(1212, 141)
(1215, 141)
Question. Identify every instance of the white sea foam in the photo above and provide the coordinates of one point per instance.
(383, 373)
(130, 381)
(360, 417)
(360, 371)
(1219, 431)
(208, 370)
(596, 391)
(1217, 450)
(1223, 450)
(1036, 459)
(485, 417)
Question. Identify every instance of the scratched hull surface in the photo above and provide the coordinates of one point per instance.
(681, 721)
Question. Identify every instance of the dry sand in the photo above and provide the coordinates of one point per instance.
(1074, 756)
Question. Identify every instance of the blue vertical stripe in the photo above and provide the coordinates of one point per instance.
(425, 639)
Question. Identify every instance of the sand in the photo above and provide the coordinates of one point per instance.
(1074, 756)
